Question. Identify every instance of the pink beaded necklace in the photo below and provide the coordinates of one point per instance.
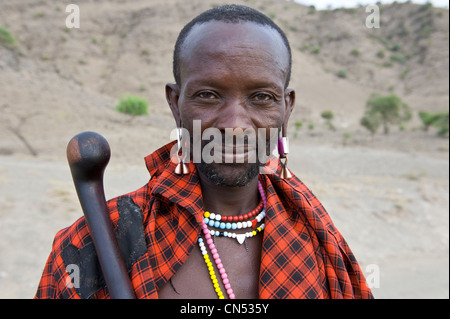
(216, 257)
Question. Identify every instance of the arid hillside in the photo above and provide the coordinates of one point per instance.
(72, 78)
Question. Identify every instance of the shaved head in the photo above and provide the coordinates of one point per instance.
(230, 14)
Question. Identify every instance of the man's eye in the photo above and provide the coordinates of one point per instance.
(207, 95)
(262, 97)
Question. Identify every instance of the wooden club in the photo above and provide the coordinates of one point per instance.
(88, 154)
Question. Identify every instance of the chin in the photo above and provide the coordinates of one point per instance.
(229, 175)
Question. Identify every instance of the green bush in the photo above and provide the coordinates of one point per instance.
(425, 7)
(439, 120)
(311, 9)
(298, 125)
(395, 47)
(385, 110)
(133, 105)
(404, 73)
(371, 122)
(355, 53)
(427, 119)
(381, 54)
(328, 115)
(398, 58)
(6, 38)
(316, 49)
(342, 74)
(442, 123)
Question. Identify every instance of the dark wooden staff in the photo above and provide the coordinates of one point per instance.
(88, 154)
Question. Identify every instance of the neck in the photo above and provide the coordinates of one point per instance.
(229, 200)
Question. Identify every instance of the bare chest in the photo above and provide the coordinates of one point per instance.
(193, 279)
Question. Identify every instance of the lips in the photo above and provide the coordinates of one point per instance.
(234, 154)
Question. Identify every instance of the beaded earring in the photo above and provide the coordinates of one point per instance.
(181, 167)
(283, 150)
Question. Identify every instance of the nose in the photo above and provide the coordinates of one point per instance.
(234, 115)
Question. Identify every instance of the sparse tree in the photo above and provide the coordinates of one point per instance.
(439, 120)
(385, 110)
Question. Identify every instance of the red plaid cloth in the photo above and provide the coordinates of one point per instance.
(303, 254)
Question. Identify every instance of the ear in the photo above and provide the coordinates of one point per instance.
(289, 101)
(172, 96)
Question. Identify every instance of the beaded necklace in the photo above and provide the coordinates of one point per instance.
(239, 237)
(210, 220)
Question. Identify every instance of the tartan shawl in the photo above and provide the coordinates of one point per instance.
(303, 254)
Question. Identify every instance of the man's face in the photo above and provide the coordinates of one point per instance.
(232, 77)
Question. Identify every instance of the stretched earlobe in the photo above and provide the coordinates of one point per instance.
(283, 141)
(181, 168)
(172, 97)
(283, 150)
(289, 100)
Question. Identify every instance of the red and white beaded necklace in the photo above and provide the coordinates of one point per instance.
(239, 237)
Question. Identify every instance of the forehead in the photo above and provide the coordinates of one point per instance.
(232, 43)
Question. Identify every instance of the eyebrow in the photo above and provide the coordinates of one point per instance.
(215, 82)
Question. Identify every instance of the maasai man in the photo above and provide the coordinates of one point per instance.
(234, 226)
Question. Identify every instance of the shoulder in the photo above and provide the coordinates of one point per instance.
(302, 200)
(78, 235)
(73, 249)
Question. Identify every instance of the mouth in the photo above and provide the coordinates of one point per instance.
(235, 154)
